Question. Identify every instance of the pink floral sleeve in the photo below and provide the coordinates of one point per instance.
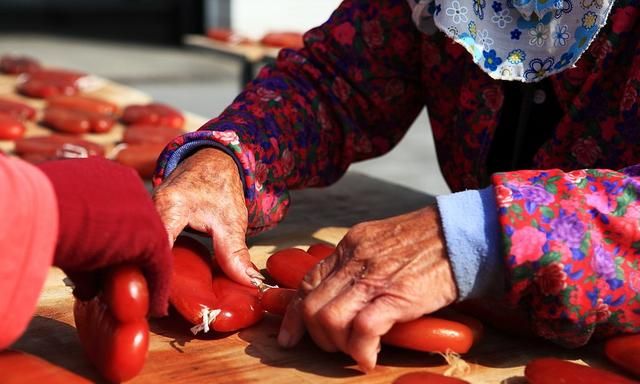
(572, 246)
(350, 94)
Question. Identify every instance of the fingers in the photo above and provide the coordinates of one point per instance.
(230, 249)
(352, 322)
(382, 272)
(328, 309)
(172, 212)
(335, 318)
(293, 328)
(158, 273)
(186, 198)
(342, 310)
(368, 326)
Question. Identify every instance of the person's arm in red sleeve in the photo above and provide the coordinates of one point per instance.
(28, 233)
(572, 248)
(82, 215)
(350, 94)
(107, 218)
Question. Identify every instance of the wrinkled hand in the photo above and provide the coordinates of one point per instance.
(205, 193)
(382, 272)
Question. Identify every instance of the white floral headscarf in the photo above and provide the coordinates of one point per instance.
(525, 40)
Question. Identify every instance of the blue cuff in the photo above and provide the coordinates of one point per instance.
(472, 234)
(192, 147)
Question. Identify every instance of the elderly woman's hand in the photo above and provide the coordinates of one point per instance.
(205, 192)
(382, 272)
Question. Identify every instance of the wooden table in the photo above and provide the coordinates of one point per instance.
(252, 355)
(250, 55)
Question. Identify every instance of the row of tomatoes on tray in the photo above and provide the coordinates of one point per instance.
(271, 39)
(70, 114)
(84, 114)
(114, 330)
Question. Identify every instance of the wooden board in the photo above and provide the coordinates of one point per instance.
(251, 52)
(105, 89)
(252, 355)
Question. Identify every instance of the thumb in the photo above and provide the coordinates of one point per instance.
(173, 215)
(157, 270)
(232, 254)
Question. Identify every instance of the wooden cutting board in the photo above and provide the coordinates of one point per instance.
(252, 355)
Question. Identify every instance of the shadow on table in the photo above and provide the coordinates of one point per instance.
(500, 350)
(353, 199)
(176, 328)
(45, 334)
(307, 357)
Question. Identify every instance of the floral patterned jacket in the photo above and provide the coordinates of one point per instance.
(571, 229)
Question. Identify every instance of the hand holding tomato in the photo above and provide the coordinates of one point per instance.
(107, 218)
(205, 193)
(382, 272)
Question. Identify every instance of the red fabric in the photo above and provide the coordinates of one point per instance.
(107, 218)
(28, 232)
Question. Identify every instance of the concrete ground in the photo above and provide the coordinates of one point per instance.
(205, 84)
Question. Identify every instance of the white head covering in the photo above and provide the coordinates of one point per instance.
(524, 40)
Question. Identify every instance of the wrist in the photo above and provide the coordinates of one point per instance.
(212, 160)
(213, 154)
(446, 276)
(205, 154)
(472, 237)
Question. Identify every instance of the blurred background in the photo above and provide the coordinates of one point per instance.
(141, 43)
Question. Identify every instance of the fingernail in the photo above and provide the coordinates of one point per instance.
(284, 338)
(255, 275)
(373, 359)
(370, 364)
(364, 368)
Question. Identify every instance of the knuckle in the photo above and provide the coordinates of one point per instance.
(168, 196)
(364, 326)
(358, 242)
(358, 231)
(309, 283)
(370, 287)
(359, 253)
(313, 278)
(329, 319)
(308, 310)
(321, 271)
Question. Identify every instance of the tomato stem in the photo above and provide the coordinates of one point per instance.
(457, 365)
(264, 286)
(208, 317)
